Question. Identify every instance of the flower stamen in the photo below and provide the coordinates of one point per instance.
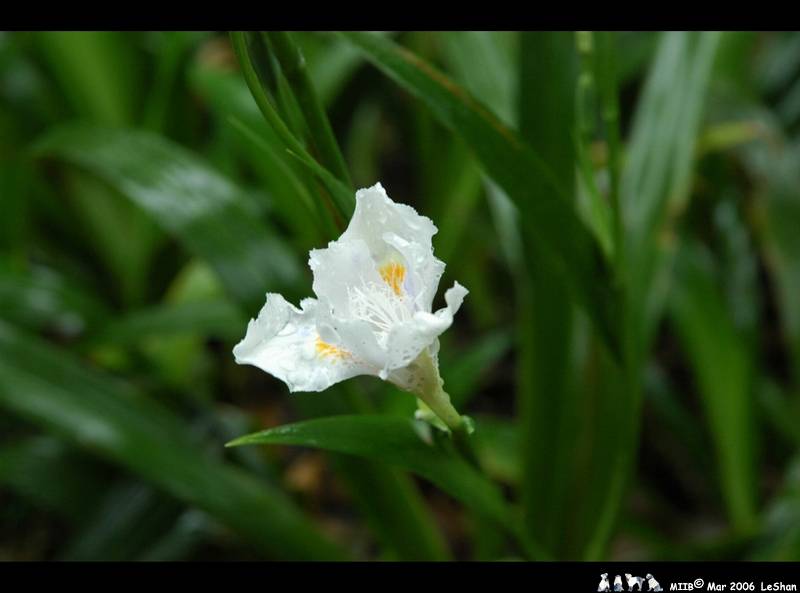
(380, 306)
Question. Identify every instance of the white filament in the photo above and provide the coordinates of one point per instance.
(378, 305)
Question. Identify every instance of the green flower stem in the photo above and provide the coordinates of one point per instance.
(435, 397)
(431, 392)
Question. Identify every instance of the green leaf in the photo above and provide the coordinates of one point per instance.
(596, 209)
(387, 497)
(723, 369)
(53, 389)
(779, 409)
(172, 48)
(293, 67)
(657, 177)
(781, 209)
(126, 521)
(16, 174)
(52, 475)
(485, 62)
(99, 74)
(261, 93)
(184, 195)
(230, 101)
(654, 186)
(393, 508)
(466, 371)
(331, 66)
(123, 237)
(779, 537)
(217, 318)
(96, 70)
(605, 65)
(497, 445)
(191, 529)
(546, 393)
(409, 444)
(549, 221)
(41, 298)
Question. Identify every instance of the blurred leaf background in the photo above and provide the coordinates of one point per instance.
(624, 208)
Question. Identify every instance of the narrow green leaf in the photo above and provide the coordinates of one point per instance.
(231, 101)
(466, 370)
(409, 444)
(549, 220)
(497, 445)
(654, 186)
(16, 174)
(722, 366)
(594, 206)
(172, 47)
(261, 96)
(121, 236)
(656, 181)
(125, 522)
(96, 71)
(781, 241)
(99, 75)
(53, 389)
(546, 395)
(605, 64)
(486, 64)
(53, 475)
(203, 209)
(779, 539)
(294, 68)
(217, 318)
(393, 508)
(41, 298)
(343, 197)
(190, 531)
(331, 67)
(391, 504)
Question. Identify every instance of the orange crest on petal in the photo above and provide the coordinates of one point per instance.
(329, 350)
(394, 274)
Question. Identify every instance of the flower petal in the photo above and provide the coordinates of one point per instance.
(423, 270)
(339, 267)
(284, 342)
(407, 340)
(390, 229)
(376, 215)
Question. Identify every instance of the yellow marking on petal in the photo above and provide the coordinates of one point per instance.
(394, 274)
(329, 350)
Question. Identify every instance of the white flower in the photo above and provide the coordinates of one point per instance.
(372, 315)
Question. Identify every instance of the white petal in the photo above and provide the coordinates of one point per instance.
(339, 269)
(424, 270)
(342, 265)
(390, 229)
(356, 336)
(376, 215)
(407, 340)
(284, 342)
